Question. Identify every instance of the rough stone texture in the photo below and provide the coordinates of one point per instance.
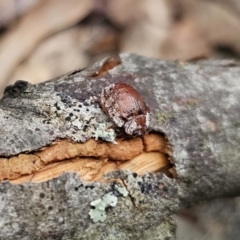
(196, 105)
(58, 209)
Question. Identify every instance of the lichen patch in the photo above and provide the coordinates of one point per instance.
(79, 121)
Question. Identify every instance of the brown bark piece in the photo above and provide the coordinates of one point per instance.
(147, 162)
(66, 149)
(125, 150)
(154, 142)
(17, 166)
(91, 159)
(91, 169)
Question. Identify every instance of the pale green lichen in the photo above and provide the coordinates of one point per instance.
(78, 120)
(163, 116)
(101, 132)
(122, 190)
(98, 214)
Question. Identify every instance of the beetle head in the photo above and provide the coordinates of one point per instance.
(137, 125)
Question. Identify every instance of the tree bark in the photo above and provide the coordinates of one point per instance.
(195, 105)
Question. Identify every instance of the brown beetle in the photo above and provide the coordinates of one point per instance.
(123, 104)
